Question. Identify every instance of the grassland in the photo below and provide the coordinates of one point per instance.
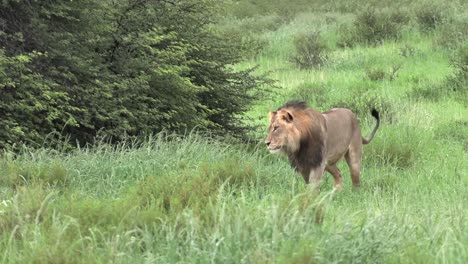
(198, 199)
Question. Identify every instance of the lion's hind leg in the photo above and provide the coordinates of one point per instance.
(333, 170)
(353, 158)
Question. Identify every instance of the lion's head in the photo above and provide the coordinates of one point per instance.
(283, 134)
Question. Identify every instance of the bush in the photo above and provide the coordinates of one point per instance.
(429, 16)
(377, 74)
(311, 50)
(145, 67)
(374, 26)
(452, 35)
(346, 36)
(31, 104)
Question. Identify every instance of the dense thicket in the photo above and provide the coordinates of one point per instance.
(117, 68)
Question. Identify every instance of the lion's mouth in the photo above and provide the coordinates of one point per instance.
(274, 149)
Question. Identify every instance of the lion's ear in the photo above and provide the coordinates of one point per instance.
(288, 116)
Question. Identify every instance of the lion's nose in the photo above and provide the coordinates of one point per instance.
(267, 143)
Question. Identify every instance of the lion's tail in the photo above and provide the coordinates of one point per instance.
(367, 140)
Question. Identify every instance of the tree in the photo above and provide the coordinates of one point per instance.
(118, 68)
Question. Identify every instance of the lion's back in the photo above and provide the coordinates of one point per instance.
(342, 126)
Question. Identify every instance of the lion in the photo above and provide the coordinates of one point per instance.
(315, 142)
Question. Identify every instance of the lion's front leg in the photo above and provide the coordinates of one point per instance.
(315, 176)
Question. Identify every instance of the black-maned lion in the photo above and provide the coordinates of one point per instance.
(315, 142)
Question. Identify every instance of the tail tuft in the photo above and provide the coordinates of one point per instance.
(375, 114)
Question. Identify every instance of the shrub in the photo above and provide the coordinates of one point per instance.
(374, 26)
(377, 74)
(346, 36)
(144, 68)
(452, 35)
(311, 50)
(429, 16)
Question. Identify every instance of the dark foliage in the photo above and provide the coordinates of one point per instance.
(118, 69)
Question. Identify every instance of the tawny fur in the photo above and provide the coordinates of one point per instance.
(315, 142)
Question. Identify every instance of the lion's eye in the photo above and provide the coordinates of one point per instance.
(275, 128)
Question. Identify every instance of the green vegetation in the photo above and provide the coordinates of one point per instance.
(203, 198)
(119, 69)
(310, 49)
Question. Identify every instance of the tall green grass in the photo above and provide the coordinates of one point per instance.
(194, 199)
